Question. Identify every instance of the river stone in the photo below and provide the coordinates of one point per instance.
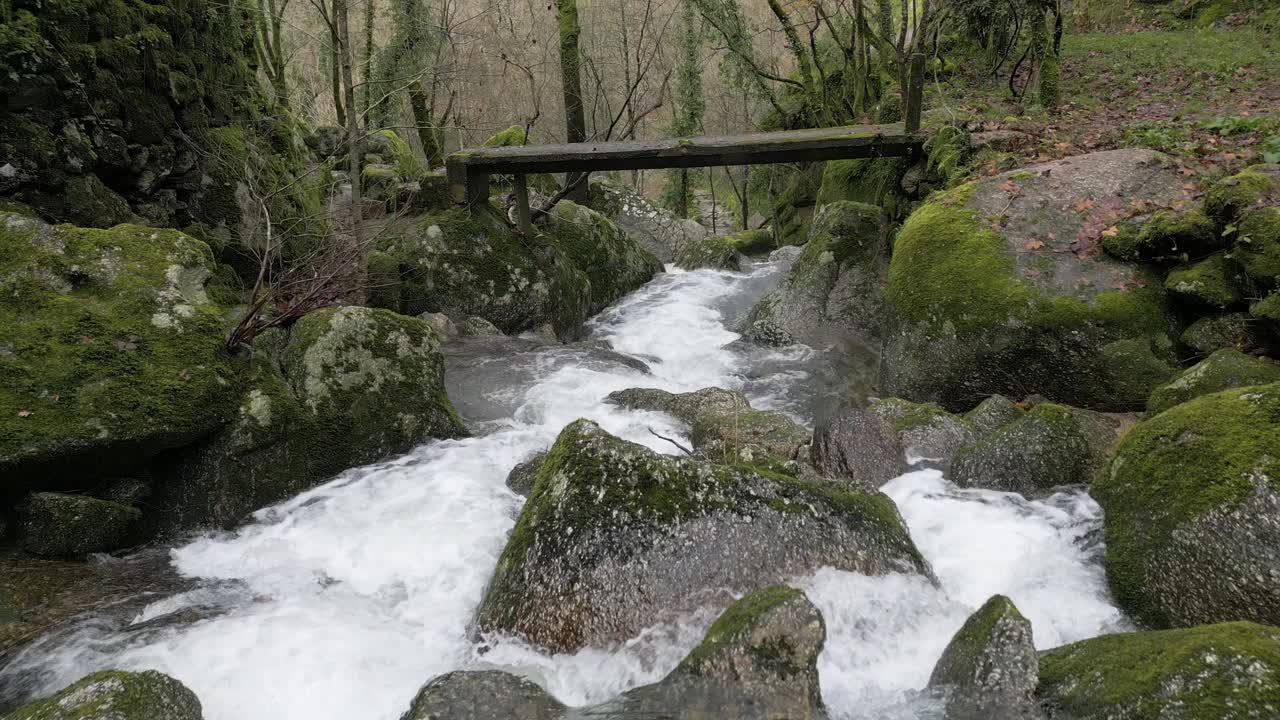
(117, 695)
(476, 326)
(524, 474)
(993, 413)
(677, 535)
(1165, 236)
(1230, 199)
(998, 286)
(1192, 511)
(1214, 283)
(713, 251)
(758, 661)
(442, 324)
(655, 229)
(58, 525)
(1223, 370)
(1229, 671)
(480, 695)
(1048, 447)
(990, 667)
(929, 436)
(858, 446)
(834, 291)
(722, 423)
(110, 349)
(347, 386)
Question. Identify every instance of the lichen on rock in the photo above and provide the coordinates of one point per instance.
(117, 695)
(1223, 370)
(990, 668)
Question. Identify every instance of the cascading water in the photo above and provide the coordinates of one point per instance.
(343, 601)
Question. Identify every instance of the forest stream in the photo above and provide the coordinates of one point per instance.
(341, 602)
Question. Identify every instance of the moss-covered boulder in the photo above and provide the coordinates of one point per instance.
(1192, 503)
(858, 446)
(58, 525)
(522, 477)
(1213, 283)
(758, 661)
(1230, 198)
(1223, 370)
(110, 349)
(117, 695)
(713, 251)
(1049, 446)
(994, 413)
(990, 668)
(655, 229)
(792, 194)
(1165, 236)
(348, 386)
(1229, 671)
(872, 181)
(1216, 332)
(1267, 309)
(615, 537)
(722, 424)
(471, 263)
(999, 287)
(929, 436)
(833, 293)
(1257, 245)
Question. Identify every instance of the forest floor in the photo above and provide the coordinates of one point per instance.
(1209, 97)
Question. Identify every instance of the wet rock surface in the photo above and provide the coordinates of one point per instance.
(990, 668)
(117, 695)
(677, 533)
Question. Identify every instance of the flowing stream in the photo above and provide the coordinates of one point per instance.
(343, 601)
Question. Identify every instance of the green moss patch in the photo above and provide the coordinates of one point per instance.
(1223, 370)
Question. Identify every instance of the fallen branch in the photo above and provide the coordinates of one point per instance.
(686, 450)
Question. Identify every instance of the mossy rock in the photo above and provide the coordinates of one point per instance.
(110, 348)
(1223, 370)
(859, 447)
(713, 251)
(1214, 283)
(753, 243)
(68, 526)
(1267, 309)
(349, 386)
(1230, 197)
(994, 413)
(999, 288)
(792, 197)
(1228, 671)
(613, 263)
(640, 535)
(482, 694)
(1216, 332)
(655, 229)
(522, 477)
(117, 695)
(1191, 497)
(722, 424)
(990, 668)
(870, 181)
(929, 436)
(1166, 236)
(1047, 447)
(1257, 245)
(834, 292)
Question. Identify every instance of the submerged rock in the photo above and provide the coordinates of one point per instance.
(1192, 511)
(834, 291)
(758, 661)
(348, 386)
(117, 695)
(1229, 671)
(110, 350)
(524, 474)
(722, 424)
(998, 287)
(58, 525)
(990, 668)
(675, 534)
(1223, 370)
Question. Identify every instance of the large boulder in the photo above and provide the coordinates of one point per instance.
(110, 349)
(1223, 370)
(1249, 204)
(999, 287)
(1229, 671)
(58, 525)
(347, 386)
(758, 661)
(990, 667)
(1050, 446)
(466, 263)
(834, 292)
(722, 424)
(655, 229)
(1192, 507)
(117, 695)
(615, 535)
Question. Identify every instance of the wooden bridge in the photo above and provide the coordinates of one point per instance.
(469, 170)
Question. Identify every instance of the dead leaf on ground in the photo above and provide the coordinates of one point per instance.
(24, 413)
(1033, 245)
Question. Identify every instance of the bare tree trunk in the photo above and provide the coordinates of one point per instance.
(353, 124)
(335, 61)
(570, 61)
(366, 90)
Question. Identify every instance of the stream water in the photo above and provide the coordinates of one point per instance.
(340, 603)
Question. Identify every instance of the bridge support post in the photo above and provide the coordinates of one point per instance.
(915, 93)
(523, 219)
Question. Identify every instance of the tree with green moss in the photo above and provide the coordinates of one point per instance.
(409, 69)
(690, 106)
(268, 21)
(575, 120)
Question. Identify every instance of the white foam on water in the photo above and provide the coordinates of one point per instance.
(344, 600)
